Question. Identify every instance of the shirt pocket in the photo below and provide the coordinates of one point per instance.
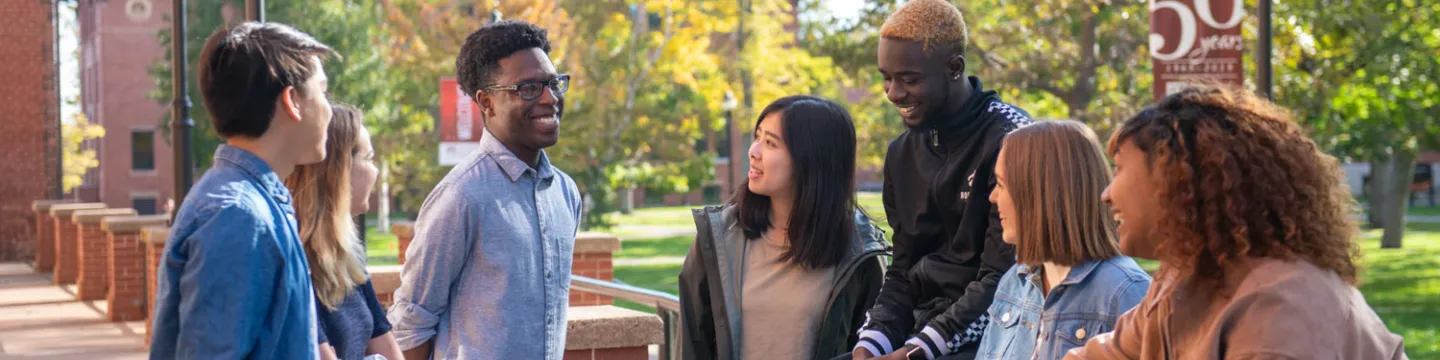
(1072, 333)
(1007, 333)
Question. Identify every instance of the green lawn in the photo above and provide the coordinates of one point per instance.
(655, 247)
(1425, 211)
(381, 249)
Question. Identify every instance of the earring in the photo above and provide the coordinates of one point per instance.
(957, 77)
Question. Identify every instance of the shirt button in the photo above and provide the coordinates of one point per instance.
(1005, 318)
(1080, 334)
(547, 274)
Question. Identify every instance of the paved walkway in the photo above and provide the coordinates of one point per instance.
(39, 320)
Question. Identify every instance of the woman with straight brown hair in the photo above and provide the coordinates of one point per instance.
(1070, 281)
(327, 196)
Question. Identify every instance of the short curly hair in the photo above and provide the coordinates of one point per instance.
(929, 22)
(479, 58)
(1237, 178)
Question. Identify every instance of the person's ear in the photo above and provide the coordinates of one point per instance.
(487, 104)
(289, 102)
(956, 65)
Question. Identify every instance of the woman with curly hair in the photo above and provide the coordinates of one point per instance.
(1251, 225)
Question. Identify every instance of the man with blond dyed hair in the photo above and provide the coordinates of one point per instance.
(949, 254)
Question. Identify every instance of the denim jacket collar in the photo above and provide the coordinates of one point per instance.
(513, 167)
(256, 167)
(1077, 273)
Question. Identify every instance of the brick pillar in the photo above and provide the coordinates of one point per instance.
(44, 234)
(154, 245)
(126, 297)
(67, 261)
(93, 250)
(405, 232)
(592, 259)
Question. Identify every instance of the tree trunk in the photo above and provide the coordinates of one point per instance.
(1375, 190)
(627, 200)
(1402, 174)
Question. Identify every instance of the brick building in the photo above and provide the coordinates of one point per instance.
(118, 45)
(29, 120)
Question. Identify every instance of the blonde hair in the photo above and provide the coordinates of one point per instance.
(322, 206)
(1055, 172)
(927, 21)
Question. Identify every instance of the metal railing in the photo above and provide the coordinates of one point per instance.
(666, 306)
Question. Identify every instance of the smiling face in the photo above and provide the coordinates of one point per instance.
(1004, 203)
(1133, 202)
(917, 81)
(772, 172)
(530, 125)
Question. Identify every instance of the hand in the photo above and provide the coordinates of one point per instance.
(862, 354)
(897, 355)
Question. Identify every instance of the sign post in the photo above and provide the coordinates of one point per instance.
(1196, 41)
(461, 125)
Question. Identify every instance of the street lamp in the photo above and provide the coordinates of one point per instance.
(728, 104)
(180, 121)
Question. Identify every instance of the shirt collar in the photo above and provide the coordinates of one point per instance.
(256, 167)
(513, 167)
(1077, 273)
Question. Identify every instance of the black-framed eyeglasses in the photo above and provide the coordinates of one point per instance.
(530, 90)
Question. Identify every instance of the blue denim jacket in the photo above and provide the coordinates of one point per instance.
(487, 275)
(233, 282)
(1024, 324)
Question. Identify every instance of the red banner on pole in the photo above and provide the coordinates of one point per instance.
(1196, 41)
(460, 123)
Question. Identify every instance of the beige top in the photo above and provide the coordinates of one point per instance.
(781, 303)
(1268, 309)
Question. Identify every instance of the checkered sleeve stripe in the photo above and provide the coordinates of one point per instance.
(935, 344)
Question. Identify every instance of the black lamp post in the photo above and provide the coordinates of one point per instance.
(180, 122)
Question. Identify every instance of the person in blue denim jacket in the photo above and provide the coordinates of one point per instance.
(1070, 282)
(233, 281)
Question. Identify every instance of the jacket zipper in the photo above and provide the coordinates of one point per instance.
(842, 280)
(935, 138)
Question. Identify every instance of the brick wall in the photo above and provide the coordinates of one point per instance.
(93, 250)
(44, 236)
(154, 252)
(67, 259)
(126, 298)
(592, 259)
(30, 130)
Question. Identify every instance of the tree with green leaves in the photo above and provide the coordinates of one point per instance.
(1364, 81)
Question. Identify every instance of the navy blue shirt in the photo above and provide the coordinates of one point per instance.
(351, 325)
(233, 281)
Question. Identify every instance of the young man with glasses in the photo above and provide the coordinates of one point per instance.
(489, 270)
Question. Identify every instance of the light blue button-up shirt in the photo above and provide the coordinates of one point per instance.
(233, 282)
(488, 273)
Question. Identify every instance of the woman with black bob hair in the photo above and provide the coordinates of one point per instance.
(789, 266)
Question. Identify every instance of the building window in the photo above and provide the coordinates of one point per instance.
(144, 205)
(142, 150)
(712, 194)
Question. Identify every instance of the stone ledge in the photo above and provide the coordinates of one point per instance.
(64, 210)
(608, 326)
(94, 216)
(385, 278)
(44, 205)
(132, 224)
(594, 242)
(157, 235)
